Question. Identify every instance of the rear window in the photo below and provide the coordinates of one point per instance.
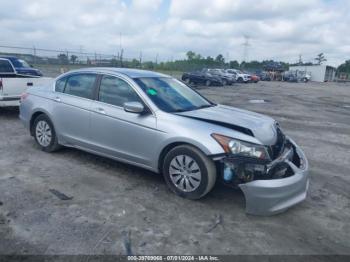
(60, 84)
(81, 85)
(5, 67)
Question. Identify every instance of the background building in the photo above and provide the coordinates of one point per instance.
(319, 73)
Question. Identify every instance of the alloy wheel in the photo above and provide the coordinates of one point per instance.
(43, 133)
(185, 173)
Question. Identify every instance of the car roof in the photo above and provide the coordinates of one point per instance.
(132, 73)
(9, 57)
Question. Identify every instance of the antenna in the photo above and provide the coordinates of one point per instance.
(245, 46)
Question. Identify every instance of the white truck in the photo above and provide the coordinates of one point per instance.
(13, 83)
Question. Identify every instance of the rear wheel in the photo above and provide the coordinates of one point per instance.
(188, 81)
(188, 172)
(45, 134)
(240, 80)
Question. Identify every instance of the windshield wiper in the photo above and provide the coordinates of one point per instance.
(192, 109)
(205, 106)
(182, 110)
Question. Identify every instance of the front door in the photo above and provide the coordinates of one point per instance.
(124, 135)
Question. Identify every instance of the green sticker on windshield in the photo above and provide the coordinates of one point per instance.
(152, 92)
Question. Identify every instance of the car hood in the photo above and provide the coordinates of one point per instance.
(260, 126)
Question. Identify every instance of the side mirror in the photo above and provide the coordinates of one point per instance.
(134, 107)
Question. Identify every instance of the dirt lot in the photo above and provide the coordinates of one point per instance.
(111, 199)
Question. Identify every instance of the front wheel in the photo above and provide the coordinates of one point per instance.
(188, 172)
(45, 134)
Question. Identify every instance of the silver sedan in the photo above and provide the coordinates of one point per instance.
(156, 122)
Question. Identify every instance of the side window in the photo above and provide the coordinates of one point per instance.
(116, 92)
(60, 84)
(81, 85)
(5, 67)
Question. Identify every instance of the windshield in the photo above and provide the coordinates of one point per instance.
(171, 95)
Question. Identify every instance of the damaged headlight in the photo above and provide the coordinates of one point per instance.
(237, 147)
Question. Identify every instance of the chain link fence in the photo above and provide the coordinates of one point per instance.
(53, 62)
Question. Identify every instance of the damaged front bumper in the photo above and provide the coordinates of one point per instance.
(270, 196)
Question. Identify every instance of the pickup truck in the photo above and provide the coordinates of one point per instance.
(14, 83)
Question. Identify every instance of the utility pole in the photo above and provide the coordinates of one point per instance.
(81, 47)
(140, 59)
(300, 60)
(121, 57)
(245, 45)
(34, 53)
(120, 42)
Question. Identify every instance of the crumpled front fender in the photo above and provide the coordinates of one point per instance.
(268, 197)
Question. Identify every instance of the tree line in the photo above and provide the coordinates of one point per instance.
(195, 61)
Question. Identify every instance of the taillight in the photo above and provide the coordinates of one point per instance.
(24, 96)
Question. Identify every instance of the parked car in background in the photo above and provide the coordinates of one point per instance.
(254, 78)
(240, 76)
(21, 67)
(296, 76)
(201, 77)
(264, 76)
(12, 84)
(289, 76)
(303, 76)
(156, 122)
(226, 78)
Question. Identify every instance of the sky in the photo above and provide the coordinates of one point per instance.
(167, 29)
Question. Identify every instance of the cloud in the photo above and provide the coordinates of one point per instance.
(278, 29)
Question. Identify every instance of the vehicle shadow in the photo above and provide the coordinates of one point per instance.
(220, 195)
(9, 112)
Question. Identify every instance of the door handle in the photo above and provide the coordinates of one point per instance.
(57, 99)
(100, 111)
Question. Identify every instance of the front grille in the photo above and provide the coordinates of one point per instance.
(277, 148)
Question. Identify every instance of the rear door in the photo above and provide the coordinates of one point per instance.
(121, 134)
(71, 110)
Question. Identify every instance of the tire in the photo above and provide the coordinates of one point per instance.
(207, 82)
(224, 82)
(44, 134)
(240, 80)
(182, 179)
(188, 81)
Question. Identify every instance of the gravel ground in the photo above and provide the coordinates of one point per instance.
(113, 206)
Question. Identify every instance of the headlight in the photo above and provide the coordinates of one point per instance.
(237, 147)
